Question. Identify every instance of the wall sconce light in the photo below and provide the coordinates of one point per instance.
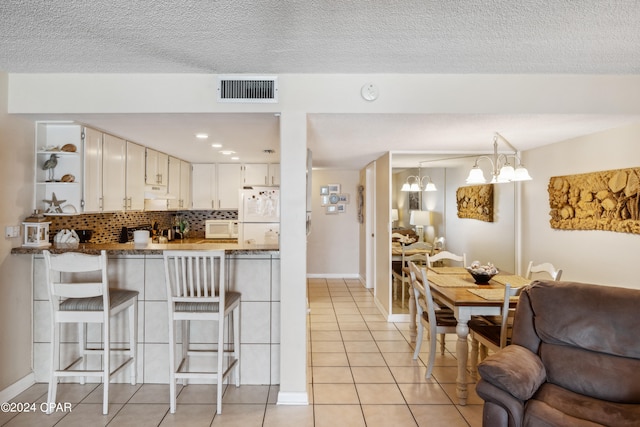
(420, 219)
(501, 169)
(418, 184)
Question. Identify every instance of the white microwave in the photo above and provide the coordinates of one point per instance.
(221, 229)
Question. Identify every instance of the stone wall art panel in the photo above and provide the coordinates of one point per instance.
(475, 202)
(606, 200)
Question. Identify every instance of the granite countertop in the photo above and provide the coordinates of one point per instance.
(230, 247)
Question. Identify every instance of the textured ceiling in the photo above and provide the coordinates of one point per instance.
(314, 36)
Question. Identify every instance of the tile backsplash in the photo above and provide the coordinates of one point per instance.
(107, 226)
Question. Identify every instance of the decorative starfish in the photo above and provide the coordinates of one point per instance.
(54, 204)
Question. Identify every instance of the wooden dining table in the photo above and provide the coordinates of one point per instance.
(455, 288)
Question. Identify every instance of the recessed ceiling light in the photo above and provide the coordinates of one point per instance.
(235, 158)
(202, 136)
(227, 152)
(216, 145)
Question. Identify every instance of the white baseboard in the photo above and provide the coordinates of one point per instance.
(333, 276)
(18, 387)
(293, 398)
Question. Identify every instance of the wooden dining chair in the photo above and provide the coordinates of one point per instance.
(545, 267)
(401, 278)
(438, 322)
(486, 334)
(448, 256)
(195, 282)
(79, 292)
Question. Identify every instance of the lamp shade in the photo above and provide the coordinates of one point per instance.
(419, 218)
(476, 176)
(521, 174)
(394, 214)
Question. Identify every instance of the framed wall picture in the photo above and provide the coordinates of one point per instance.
(343, 198)
(334, 188)
(324, 200)
(342, 208)
(324, 190)
(332, 209)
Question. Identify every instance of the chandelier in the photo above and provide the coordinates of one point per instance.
(501, 169)
(417, 183)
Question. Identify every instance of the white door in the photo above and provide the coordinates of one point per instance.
(135, 176)
(114, 159)
(370, 226)
(92, 170)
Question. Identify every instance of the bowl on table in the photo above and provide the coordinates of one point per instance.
(84, 235)
(481, 277)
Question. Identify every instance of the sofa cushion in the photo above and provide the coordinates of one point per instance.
(593, 317)
(514, 369)
(599, 375)
(555, 406)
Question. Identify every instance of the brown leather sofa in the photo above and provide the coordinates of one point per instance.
(574, 359)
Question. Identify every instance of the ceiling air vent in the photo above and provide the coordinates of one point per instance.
(247, 89)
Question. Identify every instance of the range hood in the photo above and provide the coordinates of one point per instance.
(156, 192)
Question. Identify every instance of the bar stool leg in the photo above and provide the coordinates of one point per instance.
(236, 343)
(82, 345)
(55, 363)
(133, 340)
(106, 363)
(172, 366)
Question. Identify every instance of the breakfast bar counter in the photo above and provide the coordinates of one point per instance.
(253, 270)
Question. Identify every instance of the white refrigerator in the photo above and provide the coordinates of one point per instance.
(259, 215)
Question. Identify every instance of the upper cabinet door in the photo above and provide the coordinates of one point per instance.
(173, 184)
(157, 171)
(256, 174)
(229, 182)
(274, 174)
(92, 170)
(135, 176)
(114, 159)
(185, 185)
(203, 187)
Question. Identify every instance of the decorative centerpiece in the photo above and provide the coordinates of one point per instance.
(482, 273)
(406, 240)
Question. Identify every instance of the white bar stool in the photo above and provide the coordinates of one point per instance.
(77, 297)
(196, 291)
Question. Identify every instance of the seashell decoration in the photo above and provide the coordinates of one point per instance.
(605, 200)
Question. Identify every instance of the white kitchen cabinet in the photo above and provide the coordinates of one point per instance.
(255, 174)
(114, 162)
(261, 174)
(173, 184)
(92, 170)
(185, 185)
(179, 185)
(203, 188)
(157, 168)
(135, 176)
(274, 174)
(229, 181)
(65, 179)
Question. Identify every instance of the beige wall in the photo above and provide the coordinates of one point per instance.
(333, 246)
(601, 257)
(16, 192)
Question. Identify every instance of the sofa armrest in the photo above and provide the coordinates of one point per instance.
(514, 369)
(500, 409)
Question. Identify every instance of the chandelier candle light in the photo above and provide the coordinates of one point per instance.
(418, 184)
(501, 169)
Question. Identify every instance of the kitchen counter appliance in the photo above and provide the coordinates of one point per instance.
(221, 229)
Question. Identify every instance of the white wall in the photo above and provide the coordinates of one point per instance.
(17, 138)
(592, 256)
(333, 246)
(483, 241)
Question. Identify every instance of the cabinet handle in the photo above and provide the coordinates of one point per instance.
(124, 203)
(100, 203)
(130, 203)
(213, 204)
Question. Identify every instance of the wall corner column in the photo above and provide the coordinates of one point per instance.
(293, 259)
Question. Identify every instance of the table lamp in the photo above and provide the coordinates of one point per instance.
(419, 219)
(394, 216)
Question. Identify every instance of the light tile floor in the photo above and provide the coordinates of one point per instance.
(361, 373)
